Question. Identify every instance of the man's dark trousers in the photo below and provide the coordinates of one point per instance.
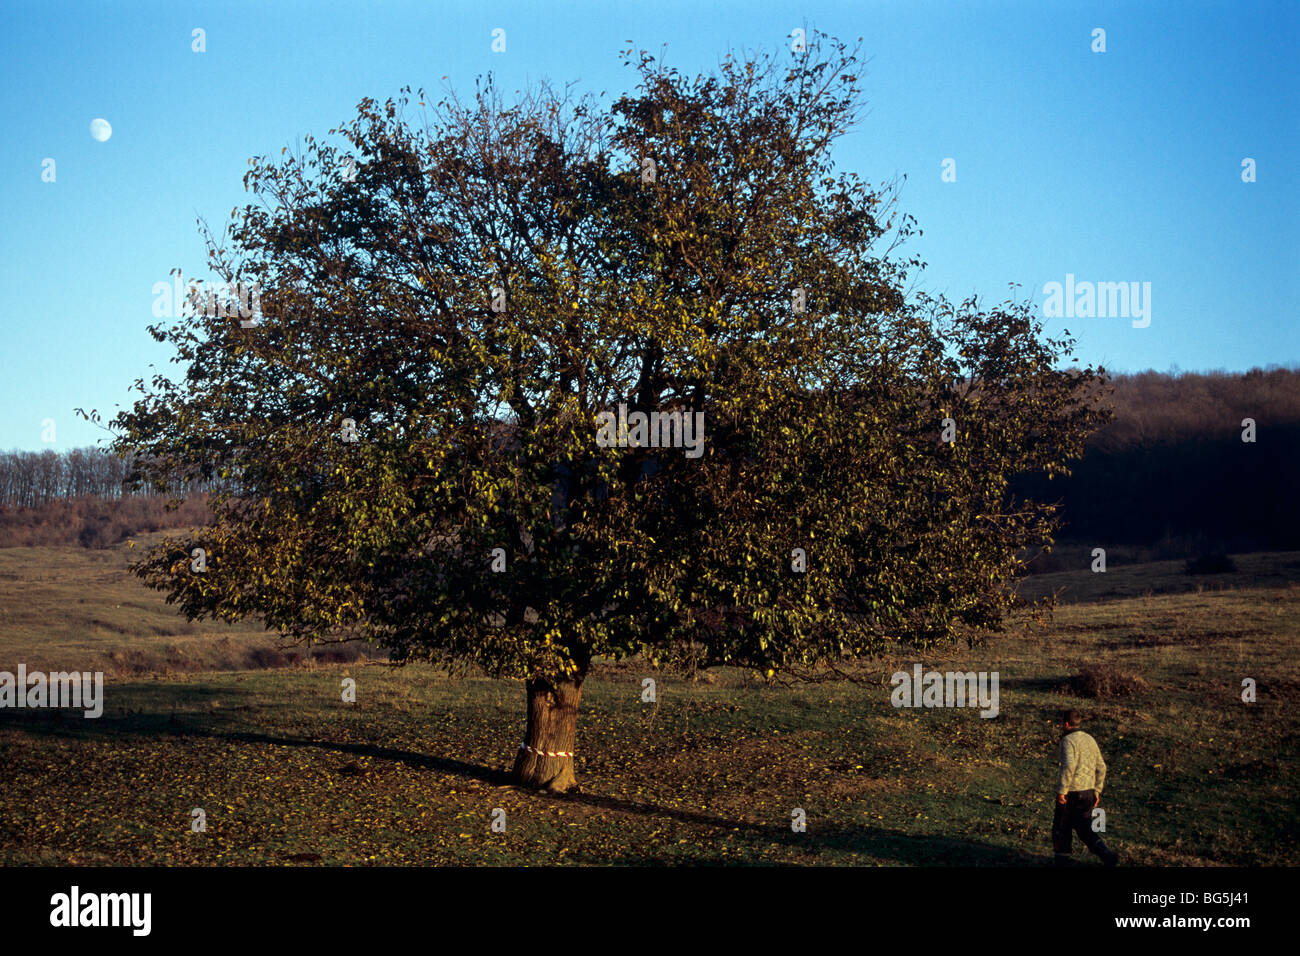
(1076, 815)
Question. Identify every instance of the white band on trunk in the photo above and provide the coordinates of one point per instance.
(544, 753)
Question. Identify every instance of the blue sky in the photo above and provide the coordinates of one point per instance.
(1122, 166)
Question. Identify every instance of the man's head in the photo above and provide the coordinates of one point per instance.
(1071, 720)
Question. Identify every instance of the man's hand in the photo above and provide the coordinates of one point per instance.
(1060, 798)
(1096, 799)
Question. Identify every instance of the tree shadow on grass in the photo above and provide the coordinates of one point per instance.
(207, 726)
(820, 845)
(921, 849)
(834, 842)
(410, 758)
(163, 714)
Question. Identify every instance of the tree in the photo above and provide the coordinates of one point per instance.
(423, 434)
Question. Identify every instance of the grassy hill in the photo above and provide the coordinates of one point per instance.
(411, 773)
(70, 607)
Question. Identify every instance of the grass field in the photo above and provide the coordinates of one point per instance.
(410, 774)
(74, 607)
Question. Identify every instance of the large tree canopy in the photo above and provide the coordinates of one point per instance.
(415, 434)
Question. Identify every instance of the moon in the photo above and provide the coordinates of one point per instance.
(100, 129)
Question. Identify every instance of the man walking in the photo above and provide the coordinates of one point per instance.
(1083, 774)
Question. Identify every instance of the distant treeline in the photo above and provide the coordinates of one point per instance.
(33, 479)
(48, 499)
(1171, 471)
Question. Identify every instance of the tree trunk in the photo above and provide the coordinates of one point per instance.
(546, 759)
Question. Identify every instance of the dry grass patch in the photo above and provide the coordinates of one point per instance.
(1106, 682)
